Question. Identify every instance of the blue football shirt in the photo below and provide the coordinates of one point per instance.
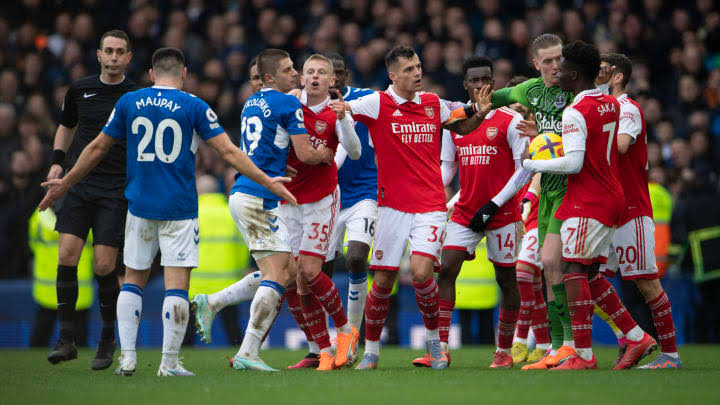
(162, 126)
(269, 118)
(358, 178)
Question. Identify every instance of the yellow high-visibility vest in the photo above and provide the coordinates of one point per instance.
(44, 244)
(476, 287)
(223, 255)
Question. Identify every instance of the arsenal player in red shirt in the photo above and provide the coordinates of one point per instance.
(632, 250)
(406, 129)
(592, 206)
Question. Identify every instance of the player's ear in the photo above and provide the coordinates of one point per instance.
(536, 64)
(98, 52)
(152, 75)
(184, 73)
(129, 56)
(392, 75)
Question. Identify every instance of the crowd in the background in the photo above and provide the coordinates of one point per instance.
(46, 44)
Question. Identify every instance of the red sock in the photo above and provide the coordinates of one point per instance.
(376, 310)
(527, 302)
(324, 289)
(539, 316)
(605, 296)
(315, 320)
(506, 327)
(446, 310)
(427, 297)
(296, 310)
(580, 306)
(663, 320)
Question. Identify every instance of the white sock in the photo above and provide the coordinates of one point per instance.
(314, 348)
(570, 343)
(635, 334)
(357, 294)
(543, 346)
(520, 340)
(553, 352)
(262, 313)
(502, 350)
(241, 291)
(585, 354)
(175, 314)
(444, 346)
(674, 355)
(129, 312)
(345, 328)
(372, 347)
(432, 334)
(618, 334)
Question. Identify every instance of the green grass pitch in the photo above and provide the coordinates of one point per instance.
(27, 378)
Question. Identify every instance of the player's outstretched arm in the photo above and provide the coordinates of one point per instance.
(239, 160)
(571, 163)
(464, 120)
(345, 129)
(307, 153)
(89, 158)
(63, 139)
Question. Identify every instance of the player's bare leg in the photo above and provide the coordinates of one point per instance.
(69, 250)
(129, 312)
(276, 274)
(104, 264)
(324, 290)
(376, 310)
(661, 310)
(509, 309)
(175, 316)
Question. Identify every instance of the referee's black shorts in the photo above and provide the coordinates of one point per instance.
(86, 207)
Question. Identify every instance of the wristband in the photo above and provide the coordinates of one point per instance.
(530, 196)
(58, 157)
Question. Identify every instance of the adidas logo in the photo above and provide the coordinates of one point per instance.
(486, 217)
(508, 256)
(567, 250)
(628, 268)
(532, 256)
(397, 113)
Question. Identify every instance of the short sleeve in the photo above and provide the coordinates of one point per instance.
(206, 121)
(574, 131)
(366, 106)
(69, 116)
(293, 120)
(115, 126)
(444, 112)
(449, 150)
(630, 120)
(517, 143)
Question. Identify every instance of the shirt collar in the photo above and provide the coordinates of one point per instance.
(315, 108)
(401, 100)
(623, 96)
(164, 87)
(590, 92)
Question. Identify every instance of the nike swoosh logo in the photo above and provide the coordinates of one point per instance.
(85, 95)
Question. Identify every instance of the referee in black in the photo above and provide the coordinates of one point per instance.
(97, 202)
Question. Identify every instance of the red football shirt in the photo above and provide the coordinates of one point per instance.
(486, 159)
(407, 135)
(590, 124)
(314, 182)
(633, 164)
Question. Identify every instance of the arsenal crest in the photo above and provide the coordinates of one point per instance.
(320, 126)
(430, 112)
(491, 133)
(379, 254)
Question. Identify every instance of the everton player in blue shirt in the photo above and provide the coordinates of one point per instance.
(163, 126)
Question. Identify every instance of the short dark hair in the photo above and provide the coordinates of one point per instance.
(336, 58)
(622, 64)
(476, 61)
(168, 61)
(584, 57)
(544, 41)
(117, 34)
(252, 63)
(517, 80)
(268, 61)
(398, 52)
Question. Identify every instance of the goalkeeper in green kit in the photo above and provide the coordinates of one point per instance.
(546, 101)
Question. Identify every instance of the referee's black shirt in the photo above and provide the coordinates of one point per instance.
(87, 105)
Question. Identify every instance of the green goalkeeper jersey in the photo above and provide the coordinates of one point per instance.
(547, 105)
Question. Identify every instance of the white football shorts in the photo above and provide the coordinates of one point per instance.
(359, 222)
(530, 250)
(260, 223)
(425, 232)
(502, 243)
(585, 240)
(633, 251)
(310, 226)
(177, 240)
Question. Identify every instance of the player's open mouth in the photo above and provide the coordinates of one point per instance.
(314, 85)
